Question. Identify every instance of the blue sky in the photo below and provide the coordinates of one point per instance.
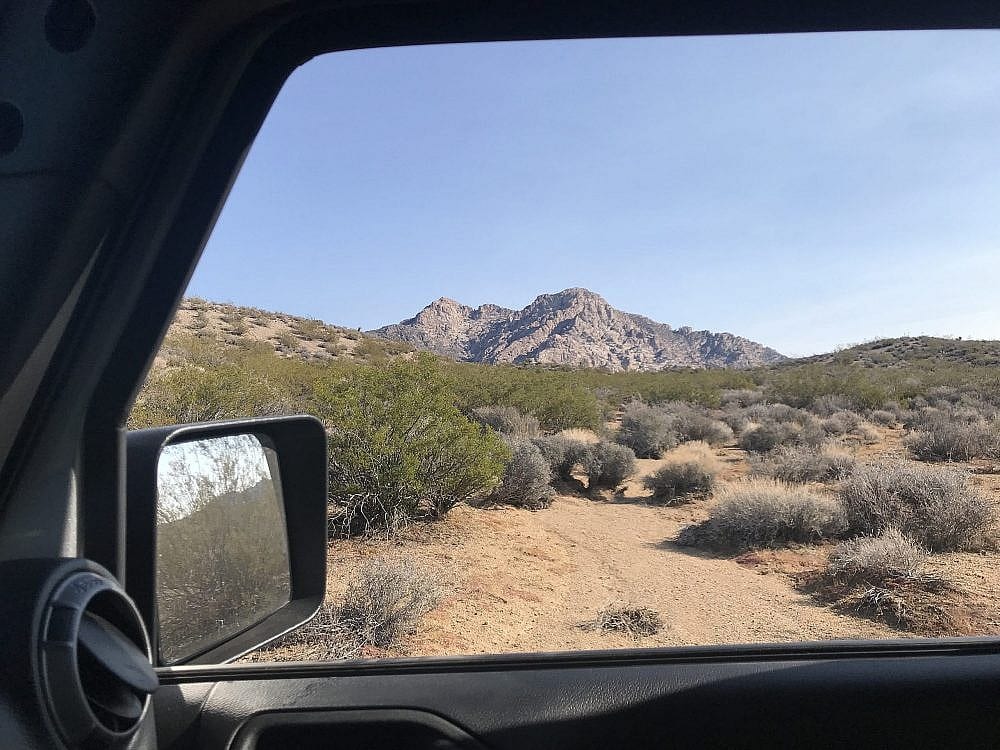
(805, 191)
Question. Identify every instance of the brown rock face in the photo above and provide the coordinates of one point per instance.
(576, 328)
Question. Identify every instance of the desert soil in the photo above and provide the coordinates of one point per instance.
(518, 580)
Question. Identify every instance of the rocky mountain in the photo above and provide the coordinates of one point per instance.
(576, 328)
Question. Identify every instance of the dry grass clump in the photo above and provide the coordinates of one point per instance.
(758, 513)
(647, 430)
(947, 440)
(526, 478)
(875, 559)
(792, 463)
(507, 420)
(937, 507)
(637, 622)
(608, 465)
(691, 472)
(384, 602)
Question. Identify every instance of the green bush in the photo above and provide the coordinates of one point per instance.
(399, 449)
(198, 394)
(507, 420)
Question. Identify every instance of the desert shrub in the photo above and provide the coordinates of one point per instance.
(946, 440)
(737, 421)
(205, 394)
(647, 430)
(563, 454)
(770, 434)
(883, 417)
(841, 423)
(875, 559)
(741, 397)
(507, 420)
(767, 436)
(793, 463)
(287, 340)
(687, 474)
(608, 465)
(399, 449)
(782, 413)
(525, 479)
(692, 425)
(629, 619)
(828, 404)
(766, 513)
(936, 507)
(385, 600)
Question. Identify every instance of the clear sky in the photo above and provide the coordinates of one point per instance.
(805, 191)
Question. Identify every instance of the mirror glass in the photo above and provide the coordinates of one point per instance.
(221, 547)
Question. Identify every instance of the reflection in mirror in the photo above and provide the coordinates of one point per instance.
(221, 546)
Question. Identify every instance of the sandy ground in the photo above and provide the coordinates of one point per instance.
(520, 580)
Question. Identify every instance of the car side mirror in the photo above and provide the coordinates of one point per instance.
(226, 534)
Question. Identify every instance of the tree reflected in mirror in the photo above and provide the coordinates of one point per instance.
(222, 548)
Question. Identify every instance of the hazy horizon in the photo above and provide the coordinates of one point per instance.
(807, 192)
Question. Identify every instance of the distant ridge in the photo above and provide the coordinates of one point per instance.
(574, 327)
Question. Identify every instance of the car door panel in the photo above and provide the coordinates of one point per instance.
(821, 701)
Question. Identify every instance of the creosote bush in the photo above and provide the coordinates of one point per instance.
(647, 430)
(507, 420)
(399, 449)
(690, 472)
(563, 454)
(935, 506)
(766, 513)
(876, 559)
(800, 463)
(608, 465)
(525, 480)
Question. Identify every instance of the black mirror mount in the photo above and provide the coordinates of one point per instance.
(299, 445)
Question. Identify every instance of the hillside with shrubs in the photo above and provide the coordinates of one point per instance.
(838, 498)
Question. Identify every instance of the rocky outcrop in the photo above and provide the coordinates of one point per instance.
(575, 328)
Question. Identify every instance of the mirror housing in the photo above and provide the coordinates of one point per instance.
(299, 444)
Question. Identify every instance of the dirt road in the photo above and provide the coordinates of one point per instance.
(519, 580)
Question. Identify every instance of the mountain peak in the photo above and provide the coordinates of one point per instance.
(575, 327)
